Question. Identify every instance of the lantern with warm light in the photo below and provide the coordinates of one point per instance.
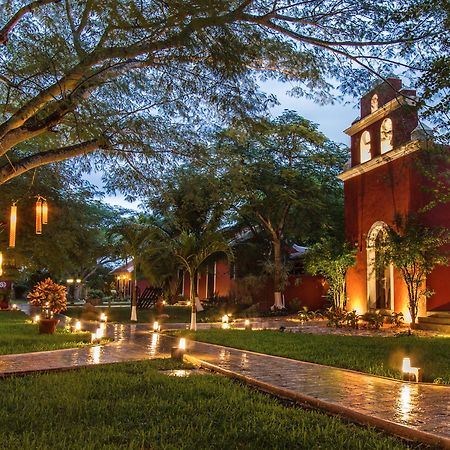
(178, 352)
(44, 212)
(1, 264)
(411, 373)
(12, 226)
(77, 325)
(103, 317)
(247, 324)
(39, 216)
(156, 326)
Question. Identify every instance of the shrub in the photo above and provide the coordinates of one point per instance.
(49, 296)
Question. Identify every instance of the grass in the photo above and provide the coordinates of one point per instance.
(133, 406)
(19, 335)
(375, 355)
(177, 314)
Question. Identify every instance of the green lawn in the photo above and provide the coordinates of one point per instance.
(122, 314)
(134, 406)
(376, 355)
(19, 335)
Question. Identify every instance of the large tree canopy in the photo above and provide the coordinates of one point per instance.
(133, 78)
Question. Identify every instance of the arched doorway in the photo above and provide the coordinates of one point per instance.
(380, 280)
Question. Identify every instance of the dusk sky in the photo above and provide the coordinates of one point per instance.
(332, 120)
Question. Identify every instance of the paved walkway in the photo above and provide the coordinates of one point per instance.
(419, 411)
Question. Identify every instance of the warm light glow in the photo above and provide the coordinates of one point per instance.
(1, 264)
(77, 325)
(155, 326)
(225, 318)
(406, 365)
(44, 212)
(225, 326)
(103, 317)
(163, 302)
(247, 322)
(407, 369)
(14, 306)
(37, 318)
(99, 333)
(39, 216)
(93, 337)
(182, 344)
(12, 226)
(407, 316)
(78, 280)
(69, 280)
(189, 303)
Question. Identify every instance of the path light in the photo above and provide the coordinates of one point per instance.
(103, 317)
(409, 372)
(14, 306)
(178, 352)
(247, 324)
(156, 326)
(93, 337)
(225, 318)
(77, 325)
(1, 264)
(37, 318)
(99, 333)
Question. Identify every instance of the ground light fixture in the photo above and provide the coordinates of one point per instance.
(14, 306)
(77, 325)
(247, 324)
(37, 318)
(156, 326)
(103, 317)
(411, 373)
(178, 351)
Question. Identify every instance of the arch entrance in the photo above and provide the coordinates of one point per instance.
(380, 280)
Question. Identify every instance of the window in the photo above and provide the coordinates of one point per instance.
(374, 103)
(364, 147)
(386, 135)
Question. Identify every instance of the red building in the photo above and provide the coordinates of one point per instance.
(383, 180)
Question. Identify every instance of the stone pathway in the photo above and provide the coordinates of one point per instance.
(417, 411)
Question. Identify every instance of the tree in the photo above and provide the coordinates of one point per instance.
(131, 237)
(414, 250)
(192, 251)
(285, 177)
(73, 243)
(331, 258)
(129, 80)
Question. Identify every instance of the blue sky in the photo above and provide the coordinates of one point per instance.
(332, 120)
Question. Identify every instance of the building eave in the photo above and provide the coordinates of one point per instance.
(379, 114)
(381, 160)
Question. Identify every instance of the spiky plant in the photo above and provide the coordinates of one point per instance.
(48, 295)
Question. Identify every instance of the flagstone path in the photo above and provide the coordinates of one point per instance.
(416, 411)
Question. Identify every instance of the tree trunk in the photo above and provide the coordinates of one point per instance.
(192, 300)
(133, 317)
(277, 268)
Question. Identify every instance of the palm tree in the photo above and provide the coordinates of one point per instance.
(131, 237)
(192, 250)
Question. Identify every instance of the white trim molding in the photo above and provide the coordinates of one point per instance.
(381, 160)
(379, 114)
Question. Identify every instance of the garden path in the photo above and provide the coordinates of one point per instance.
(417, 411)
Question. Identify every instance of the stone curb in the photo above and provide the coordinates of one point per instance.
(434, 385)
(383, 424)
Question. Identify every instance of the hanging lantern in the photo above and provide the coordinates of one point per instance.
(12, 226)
(39, 216)
(44, 212)
(1, 264)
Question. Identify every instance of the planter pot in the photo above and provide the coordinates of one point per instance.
(47, 326)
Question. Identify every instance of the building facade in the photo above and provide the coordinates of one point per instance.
(383, 180)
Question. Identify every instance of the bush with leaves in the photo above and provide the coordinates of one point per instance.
(49, 296)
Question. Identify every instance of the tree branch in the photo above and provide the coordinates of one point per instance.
(4, 32)
(8, 171)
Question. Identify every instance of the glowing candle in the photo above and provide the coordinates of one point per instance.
(39, 216)
(78, 325)
(182, 344)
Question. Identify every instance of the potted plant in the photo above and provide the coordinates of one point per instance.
(52, 299)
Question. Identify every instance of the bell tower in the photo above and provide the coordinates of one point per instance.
(381, 181)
